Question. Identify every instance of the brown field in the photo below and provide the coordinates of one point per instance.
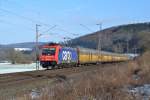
(105, 82)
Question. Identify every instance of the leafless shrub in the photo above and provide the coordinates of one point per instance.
(103, 84)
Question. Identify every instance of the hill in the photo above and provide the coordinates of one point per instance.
(116, 39)
(21, 45)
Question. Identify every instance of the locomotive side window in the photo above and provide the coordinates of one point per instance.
(48, 51)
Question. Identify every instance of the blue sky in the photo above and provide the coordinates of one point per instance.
(18, 17)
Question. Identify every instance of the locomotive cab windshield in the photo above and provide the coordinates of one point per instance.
(49, 51)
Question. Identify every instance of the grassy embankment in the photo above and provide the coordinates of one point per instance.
(103, 84)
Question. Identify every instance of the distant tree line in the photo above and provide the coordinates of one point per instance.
(16, 57)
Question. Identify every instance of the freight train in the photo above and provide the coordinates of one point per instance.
(56, 55)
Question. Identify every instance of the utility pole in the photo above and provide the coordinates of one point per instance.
(127, 46)
(37, 48)
(129, 35)
(99, 46)
(37, 43)
(127, 42)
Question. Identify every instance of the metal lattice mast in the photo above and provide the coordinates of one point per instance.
(37, 48)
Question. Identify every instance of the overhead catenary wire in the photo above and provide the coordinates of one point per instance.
(24, 17)
(14, 24)
(34, 21)
(39, 22)
(49, 29)
(67, 32)
(16, 3)
(86, 27)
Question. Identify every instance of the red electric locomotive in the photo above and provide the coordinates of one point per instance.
(55, 54)
(49, 56)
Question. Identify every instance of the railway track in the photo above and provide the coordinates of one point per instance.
(45, 74)
(14, 83)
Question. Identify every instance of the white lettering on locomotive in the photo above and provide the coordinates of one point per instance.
(66, 56)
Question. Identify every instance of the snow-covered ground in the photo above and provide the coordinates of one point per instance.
(142, 91)
(9, 68)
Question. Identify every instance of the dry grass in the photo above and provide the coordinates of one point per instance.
(103, 84)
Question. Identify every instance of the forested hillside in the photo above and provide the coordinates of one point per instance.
(131, 38)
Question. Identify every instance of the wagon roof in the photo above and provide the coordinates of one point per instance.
(102, 52)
